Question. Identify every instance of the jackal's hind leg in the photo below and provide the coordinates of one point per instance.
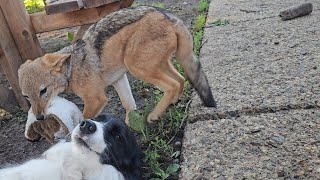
(173, 73)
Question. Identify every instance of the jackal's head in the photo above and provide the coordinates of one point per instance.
(43, 79)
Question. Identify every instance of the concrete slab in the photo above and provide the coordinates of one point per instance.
(283, 145)
(257, 62)
(262, 63)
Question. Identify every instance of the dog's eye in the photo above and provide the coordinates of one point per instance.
(43, 91)
(118, 137)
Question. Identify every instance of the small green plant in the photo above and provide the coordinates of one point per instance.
(160, 144)
(158, 4)
(203, 5)
(70, 36)
(197, 41)
(33, 6)
(200, 23)
(152, 157)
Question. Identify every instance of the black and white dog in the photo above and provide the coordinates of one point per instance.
(104, 149)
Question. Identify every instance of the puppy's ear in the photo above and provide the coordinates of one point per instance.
(54, 62)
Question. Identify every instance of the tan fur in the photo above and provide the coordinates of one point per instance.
(141, 41)
(46, 128)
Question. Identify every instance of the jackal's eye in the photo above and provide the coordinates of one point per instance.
(43, 91)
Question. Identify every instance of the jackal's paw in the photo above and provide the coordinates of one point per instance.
(175, 100)
(152, 118)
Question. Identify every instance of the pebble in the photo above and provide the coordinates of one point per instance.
(177, 143)
(281, 174)
(279, 139)
(300, 173)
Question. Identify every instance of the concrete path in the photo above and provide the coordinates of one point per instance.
(265, 74)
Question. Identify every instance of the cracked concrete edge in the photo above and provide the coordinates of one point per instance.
(261, 146)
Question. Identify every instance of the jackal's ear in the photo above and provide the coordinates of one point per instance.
(25, 63)
(54, 62)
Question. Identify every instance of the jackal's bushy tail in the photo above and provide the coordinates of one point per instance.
(191, 65)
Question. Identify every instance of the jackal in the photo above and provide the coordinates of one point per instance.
(140, 40)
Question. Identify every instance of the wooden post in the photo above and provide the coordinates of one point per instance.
(43, 22)
(21, 28)
(10, 61)
(7, 99)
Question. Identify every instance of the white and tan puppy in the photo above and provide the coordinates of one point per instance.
(65, 110)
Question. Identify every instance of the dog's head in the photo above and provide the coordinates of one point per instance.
(42, 79)
(111, 139)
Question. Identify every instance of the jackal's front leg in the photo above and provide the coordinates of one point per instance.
(123, 89)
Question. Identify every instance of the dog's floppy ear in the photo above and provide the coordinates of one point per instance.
(54, 62)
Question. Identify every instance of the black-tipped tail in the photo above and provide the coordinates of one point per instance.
(201, 85)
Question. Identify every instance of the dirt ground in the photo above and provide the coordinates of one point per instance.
(14, 148)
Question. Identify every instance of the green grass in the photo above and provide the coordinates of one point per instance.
(33, 6)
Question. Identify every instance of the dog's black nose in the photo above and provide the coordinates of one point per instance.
(88, 127)
(40, 117)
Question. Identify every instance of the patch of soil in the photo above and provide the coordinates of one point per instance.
(14, 148)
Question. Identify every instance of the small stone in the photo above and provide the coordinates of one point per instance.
(279, 139)
(256, 143)
(176, 161)
(177, 143)
(300, 173)
(276, 43)
(281, 173)
(255, 130)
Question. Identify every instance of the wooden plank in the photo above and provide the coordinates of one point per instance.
(62, 6)
(96, 3)
(81, 32)
(43, 22)
(21, 28)
(10, 60)
(7, 99)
